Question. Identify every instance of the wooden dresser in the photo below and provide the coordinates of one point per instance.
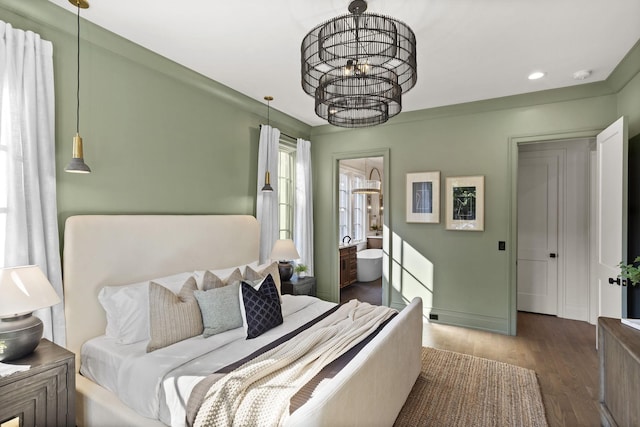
(348, 265)
(619, 353)
(45, 394)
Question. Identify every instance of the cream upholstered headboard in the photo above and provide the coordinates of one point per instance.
(101, 250)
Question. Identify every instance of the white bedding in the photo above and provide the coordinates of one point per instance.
(157, 384)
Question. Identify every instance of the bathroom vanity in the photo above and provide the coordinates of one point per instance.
(348, 265)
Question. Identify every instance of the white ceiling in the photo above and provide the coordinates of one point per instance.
(468, 50)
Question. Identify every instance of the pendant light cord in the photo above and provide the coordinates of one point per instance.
(268, 125)
(78, 75)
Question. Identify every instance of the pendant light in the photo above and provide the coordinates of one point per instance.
(370, 186)
(77, 164)
(357, 67)
(267, 176)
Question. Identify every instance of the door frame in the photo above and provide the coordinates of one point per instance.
(334, 241)
(513, 150)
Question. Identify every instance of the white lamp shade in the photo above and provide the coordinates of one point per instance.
(284, 250)
(24, 290)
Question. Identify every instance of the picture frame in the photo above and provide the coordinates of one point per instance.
(423, 197)
(465, 203)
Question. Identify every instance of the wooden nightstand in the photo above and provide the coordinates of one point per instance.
(300, 286)
(45, 394)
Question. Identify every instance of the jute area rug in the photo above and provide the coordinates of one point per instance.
(456, 389)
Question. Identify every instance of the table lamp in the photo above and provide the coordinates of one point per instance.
(284, 251)
(22, 291)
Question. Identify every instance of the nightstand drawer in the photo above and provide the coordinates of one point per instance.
(43, 395)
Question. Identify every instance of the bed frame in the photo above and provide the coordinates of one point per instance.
(102, 250)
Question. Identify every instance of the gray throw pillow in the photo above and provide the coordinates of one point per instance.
(220, 308)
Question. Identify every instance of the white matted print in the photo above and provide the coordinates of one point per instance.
(465, 203)
(423, 197)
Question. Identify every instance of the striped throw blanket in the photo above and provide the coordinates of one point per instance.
(259, 392)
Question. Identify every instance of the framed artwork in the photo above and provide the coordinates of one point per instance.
(423, 197)
(465, 203)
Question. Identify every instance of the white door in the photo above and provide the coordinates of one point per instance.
(611, 215)
(538, 212)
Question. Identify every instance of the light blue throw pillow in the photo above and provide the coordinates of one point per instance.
(220, 308)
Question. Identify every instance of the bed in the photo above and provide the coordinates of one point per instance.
(113, 250)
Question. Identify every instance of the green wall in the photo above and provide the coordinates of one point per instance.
(163, 139)
(159, 138)
(461, 276)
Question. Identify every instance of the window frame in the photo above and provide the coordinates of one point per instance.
(286, 188)
(353, 206)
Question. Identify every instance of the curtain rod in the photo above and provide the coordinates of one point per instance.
(288, 136)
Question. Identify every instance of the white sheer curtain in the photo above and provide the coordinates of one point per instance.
(303, 223)
(30, 234)
(267, 203)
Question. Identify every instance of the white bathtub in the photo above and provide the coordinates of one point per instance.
(369, 265)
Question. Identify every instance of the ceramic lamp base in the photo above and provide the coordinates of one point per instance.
(286, 270)
(19, 336)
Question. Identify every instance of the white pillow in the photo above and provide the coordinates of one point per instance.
(222, 273)
(127, 307)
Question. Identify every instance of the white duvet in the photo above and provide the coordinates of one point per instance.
(157, 385)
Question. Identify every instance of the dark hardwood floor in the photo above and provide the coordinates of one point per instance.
(562, 353)
(370, 292)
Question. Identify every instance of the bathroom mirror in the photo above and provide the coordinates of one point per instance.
(374, 208)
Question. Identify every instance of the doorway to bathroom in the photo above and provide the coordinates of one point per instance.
(360, 228)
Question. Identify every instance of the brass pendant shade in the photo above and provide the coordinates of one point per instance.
(77, 164)
(267, 183)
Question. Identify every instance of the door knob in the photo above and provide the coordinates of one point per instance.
(616, 281)
(552, 255)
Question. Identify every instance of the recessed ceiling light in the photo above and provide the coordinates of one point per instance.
(582, 74)
(536, 75)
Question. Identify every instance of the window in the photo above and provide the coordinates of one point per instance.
(358, 210)
(286, 189)
(351, 206)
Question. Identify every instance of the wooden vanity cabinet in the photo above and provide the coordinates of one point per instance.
(348, 265)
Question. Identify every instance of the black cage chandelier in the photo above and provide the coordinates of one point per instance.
(357, 66)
